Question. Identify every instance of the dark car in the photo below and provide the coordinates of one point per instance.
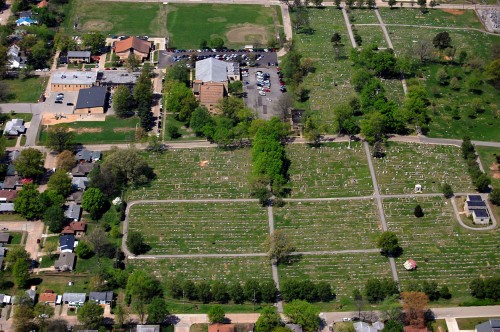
(69, 104)
(58, 101)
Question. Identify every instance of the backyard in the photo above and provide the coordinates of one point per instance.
(26, 90)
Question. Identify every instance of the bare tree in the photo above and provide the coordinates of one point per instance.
(423, 49)
(282, 107)
(98, 239)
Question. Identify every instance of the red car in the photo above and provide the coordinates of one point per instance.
(267, 90)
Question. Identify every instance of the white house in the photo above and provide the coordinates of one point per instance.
(14, 127)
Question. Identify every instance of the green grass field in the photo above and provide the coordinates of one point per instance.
(25, 90)
(186, 133)
(406, 165)
(444, 251)
(331, 170)
(113, 130)
(117, 18)
(196, 228)
(189, 24)
(434, 17)
(197, 173)
(371, 35)
(490, 164)
(330, 225)
(362, 16)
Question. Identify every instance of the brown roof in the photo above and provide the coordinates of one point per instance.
(411, 328)
(221, 328)
(74, 226)
(42, 4)
(132, 43)
(8, 195)
(47, 297)
(211, 93)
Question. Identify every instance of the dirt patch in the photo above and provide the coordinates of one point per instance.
(496, 171)
(85, 130)
(203, 163)
(247, 34)
(50, 119)
(453, 11)
(123, 130)
(217, 19)
(97, 25)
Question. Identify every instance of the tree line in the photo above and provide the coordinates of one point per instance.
(479, 179)
(307, 290)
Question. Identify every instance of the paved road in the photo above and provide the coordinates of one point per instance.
(349, 28)
(428, 26)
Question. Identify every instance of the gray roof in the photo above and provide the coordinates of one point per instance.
(4, 237)
(14, 154)
(364, 327)
(80, 182)
(75, 197)
(88, 155)
(211, 70)
(2, 252)
(66, 261)
(78, 54)
(294, 327)
(10, 182)
(492, 325)
(74, 77)
(7, 207)
(14, 127)
(82, 169)
(31, 293)
(113, 77)
(73, 212)
(233, 68)
(91, 97)
(481, 213)
(101, 296)
(148, 328)
(74, 297)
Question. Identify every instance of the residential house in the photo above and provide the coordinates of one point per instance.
(378, 325)
(364, 327)
(12, 183)
(43, 4)
(114, 78)
(32, 294)
(82, 169)
(76, 228)
(79, 56)
(13, 155)
(492, 325)
(47, 297)
(66, 243)
(14, 127)
(7, 196)
(80, 183)
(7, 208)
(132, 45)
(73, 212)
(26, 21)
(481, 217)
(87, 156)
(72, 80)
(92, 100)
(148, 328)
(5, 299)
(26, 13)
(2, 255)
(101, 297)
(4, 237)
(221, 328)
(74, 299)
(75, 197)
(65, 262)
(15, 61)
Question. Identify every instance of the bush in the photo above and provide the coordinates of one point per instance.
(173, 131)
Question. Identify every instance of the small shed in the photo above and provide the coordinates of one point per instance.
(410, 265)
(418, 188)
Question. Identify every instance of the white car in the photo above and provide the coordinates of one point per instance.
(346, 319)
(262, 93)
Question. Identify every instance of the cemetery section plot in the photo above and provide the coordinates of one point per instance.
(332, 170)
(345, 272)
(362, 16)
(408, 164)
(330, 225)
(433, 18)
(443, 250)
(197, 174)
(200, 228)
(230, 269)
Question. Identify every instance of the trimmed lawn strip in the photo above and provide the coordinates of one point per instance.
(408, 164)
(15, 237)
(332, 170)
(201, 228)
(444, 251)
(362, 16)
(371, 35)
(434, 17)
(330, 225)
(25, 90)
(196, 174)
(470, 323)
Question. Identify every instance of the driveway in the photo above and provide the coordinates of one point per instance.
(34, 230)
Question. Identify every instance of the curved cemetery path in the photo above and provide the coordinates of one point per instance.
(486, 228)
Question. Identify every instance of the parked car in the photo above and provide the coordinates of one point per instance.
(58, 102)
(262, 93)
(69, 104)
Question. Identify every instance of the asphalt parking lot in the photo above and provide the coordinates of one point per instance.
(167, 58)
(264, 105)
(69, 97)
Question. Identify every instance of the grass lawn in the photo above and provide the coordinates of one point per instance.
(47, 261)
(371, 35)
(11, 217)
(439, 325)
(186, 133)
(59, 283)
(190, 307)
(117, 18)
(10, 142)
(363, 16)
(229, 269)
(194, 228)
(15, 237)
(25, 116)
(408, 164)
(470, 323)
(434, 17)
(490, 163)
(113, 130)
(330, 225)
(331, 170)
(345, 272)
(25, 90)
(197, 173)
(189, 24)
(444, 251)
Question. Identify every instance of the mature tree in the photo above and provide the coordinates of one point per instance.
(60, 183)
(128, 167)
(27, 202)
(83, 250)
(132, 63)
(377, 290)
(157, 311)
(122, 101)
(495, 196)
(135, 242)
(20, 272)
(324, 291)
(482, 182)
(121, 314)
(91, 315)
(200, 118)
(178, 72)
(219, 292)
(59, 138)
(141, 284)
(268, 320)
(217, 43)
(189, 290)
(236, 293)
(14, 253)
(392, 3)
(373, 127)
(336, 39)
(442, 40)
(268, 291)
(216, 314)
(66, 161)
(393, 326)
(302, 313)
(414, 306)
(94, 41)
(23, 317)
(492, 71)
(203, 292)
(173, 131)
(54, 218)
(29, 163)
(99, 241)
(43, 312)
(418, 212)
(57, 325)
(430, 288)
(252, 291)
(278, 246)
(93, 202)
(444, 292)
(282, 107)
(344, 121)
(140, 307)
(389, 244)
(447, 190)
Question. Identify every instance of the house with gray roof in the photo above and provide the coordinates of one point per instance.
(364, 327)
(148, 328)
(80, 183)
(73, 212)
(87, 156)
(79, 56)
(114, 78)
(92, 100)
(4, 237)
(82, 169)
(7, 208)
(12, 182)
(65, 262)
(74, 299)
(14, 127)
(32, 294)
(101, 297)
(492, 325)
